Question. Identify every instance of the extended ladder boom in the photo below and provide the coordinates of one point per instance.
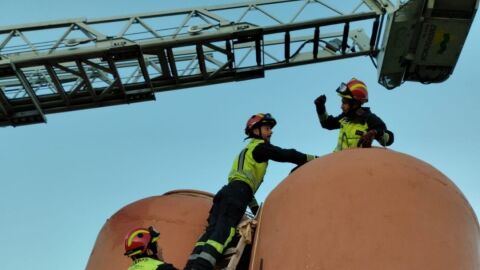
(118, 60)
(78, 64)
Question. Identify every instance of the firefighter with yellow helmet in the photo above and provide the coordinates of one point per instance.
(141, 247)
(358, 125)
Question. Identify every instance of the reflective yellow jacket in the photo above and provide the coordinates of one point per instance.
(251, 164)
(354, 126)
(246, 169)
(147, 263)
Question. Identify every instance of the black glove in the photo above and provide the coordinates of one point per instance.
(367, 139)
(320, 104)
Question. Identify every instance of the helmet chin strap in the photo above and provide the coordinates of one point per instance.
(260, 132)
(253, 135)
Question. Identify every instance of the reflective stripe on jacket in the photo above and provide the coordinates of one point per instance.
(145, 263)
(353, 126)
(246, 169)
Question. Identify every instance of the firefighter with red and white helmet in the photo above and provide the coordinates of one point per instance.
(246, 176)
(141, 247)
(358, 125)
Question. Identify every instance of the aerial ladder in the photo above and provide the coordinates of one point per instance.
(80, 63)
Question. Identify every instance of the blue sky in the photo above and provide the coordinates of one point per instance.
(61, 181)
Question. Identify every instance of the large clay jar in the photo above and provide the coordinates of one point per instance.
(180, 216)
(366, 209)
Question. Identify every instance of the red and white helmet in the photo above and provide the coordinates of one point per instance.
(258, 120)
(354, 89)
(138, 240)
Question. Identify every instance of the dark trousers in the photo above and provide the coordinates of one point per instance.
(229, 205)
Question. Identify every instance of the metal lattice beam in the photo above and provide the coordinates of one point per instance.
(78, 66)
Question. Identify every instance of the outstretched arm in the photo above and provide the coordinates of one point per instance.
(266, 151)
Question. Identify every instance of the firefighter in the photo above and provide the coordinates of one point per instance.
(246, 176)
(358, 125)
(141, 247)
